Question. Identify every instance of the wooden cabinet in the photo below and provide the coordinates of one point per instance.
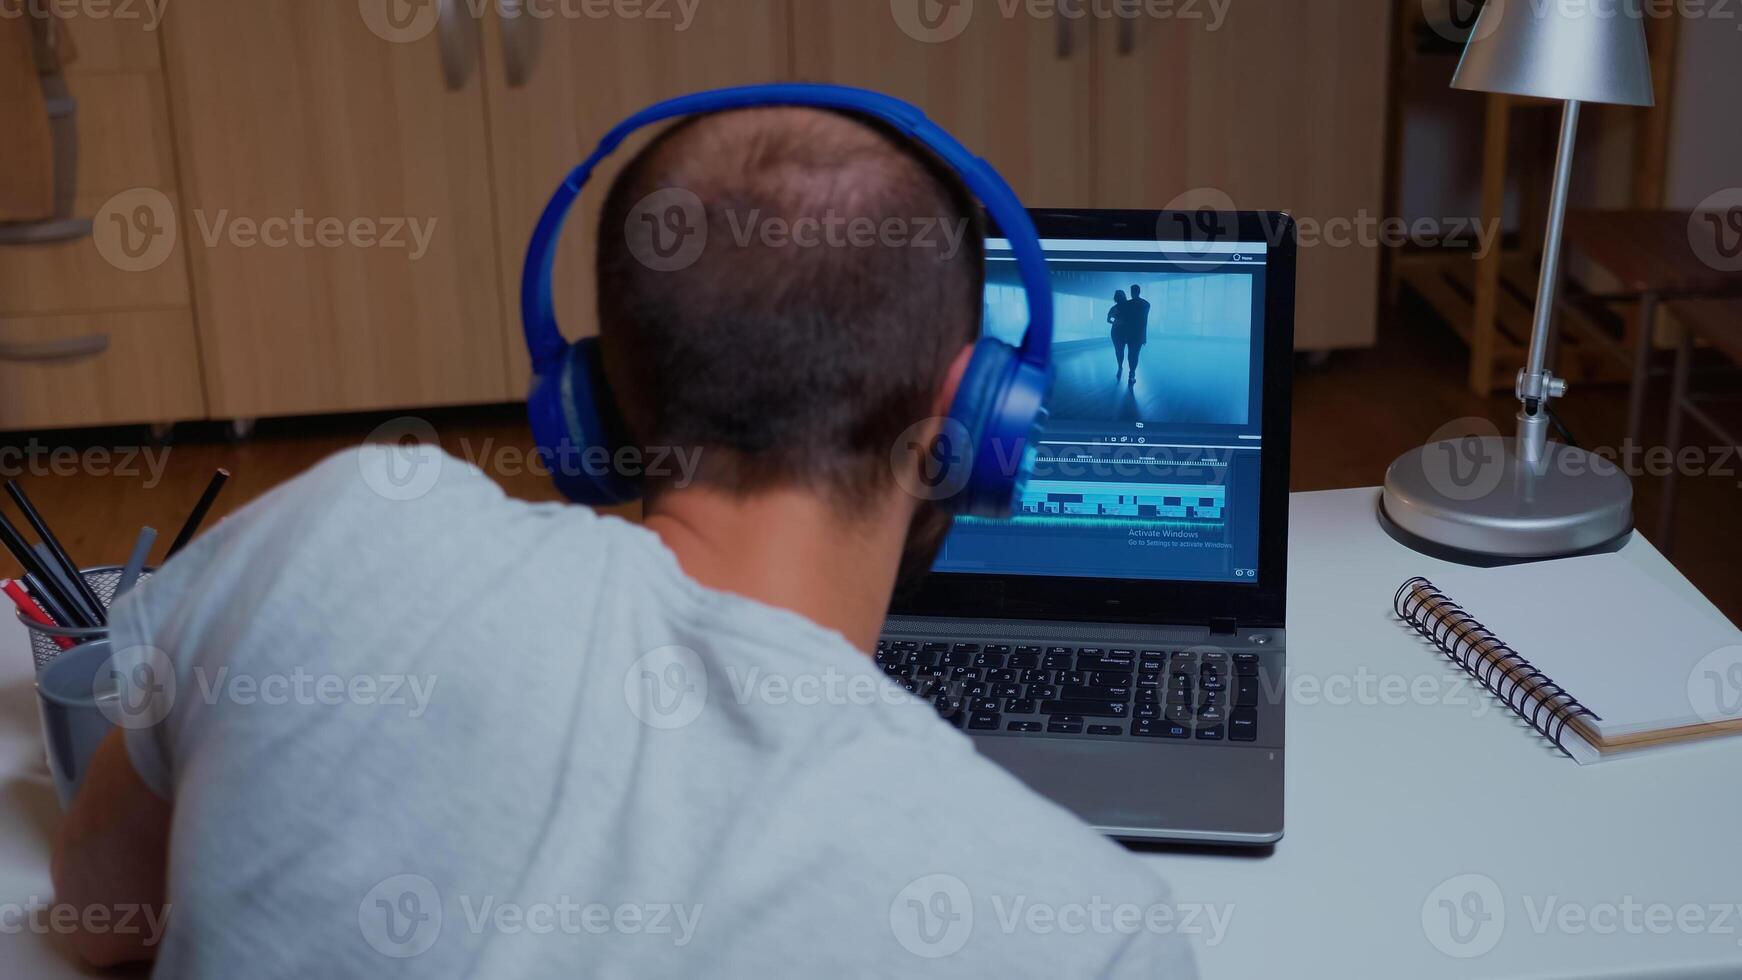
(336, 208)
(97, 330)
(1017, 90)
(1280, 107)
(351, 184)
(555, 86)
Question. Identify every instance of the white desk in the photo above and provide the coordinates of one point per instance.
(1388, 798)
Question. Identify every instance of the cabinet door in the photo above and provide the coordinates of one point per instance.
(1280, 106)
(336, 206)
(1015, 88)
(557, 82)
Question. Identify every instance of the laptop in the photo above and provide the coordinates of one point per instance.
(1119, 644)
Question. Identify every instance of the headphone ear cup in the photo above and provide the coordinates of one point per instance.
(997, 417)
(578, 431)
(963, 443)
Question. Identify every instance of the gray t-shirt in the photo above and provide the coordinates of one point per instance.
(412, 727)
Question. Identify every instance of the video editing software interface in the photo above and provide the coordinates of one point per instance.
(1149, 467)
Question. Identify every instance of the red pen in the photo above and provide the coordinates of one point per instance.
(32, 611)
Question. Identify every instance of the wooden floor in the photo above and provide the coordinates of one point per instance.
(1353, 415)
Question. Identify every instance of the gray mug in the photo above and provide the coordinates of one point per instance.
(73, 692)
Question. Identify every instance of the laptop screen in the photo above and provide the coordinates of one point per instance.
(1149, 467)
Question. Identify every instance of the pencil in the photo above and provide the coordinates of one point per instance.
(136, 561)
(33, 612)
(39, 578)
(199, 513)
(92, 613)
(57, 556)
(50, 604)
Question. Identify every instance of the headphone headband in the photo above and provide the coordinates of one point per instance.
(537, 306)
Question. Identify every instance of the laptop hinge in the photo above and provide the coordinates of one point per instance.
(1224, 626)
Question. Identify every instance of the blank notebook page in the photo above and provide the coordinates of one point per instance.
(1637, 654)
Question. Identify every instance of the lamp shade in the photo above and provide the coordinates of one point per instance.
(1559, 49)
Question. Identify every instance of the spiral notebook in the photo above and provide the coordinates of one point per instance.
(1598, 658)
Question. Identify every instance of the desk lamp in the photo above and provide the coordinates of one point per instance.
(1489, 500)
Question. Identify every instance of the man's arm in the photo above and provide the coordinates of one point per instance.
(112, 853)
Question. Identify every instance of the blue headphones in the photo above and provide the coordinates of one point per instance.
(987, 446)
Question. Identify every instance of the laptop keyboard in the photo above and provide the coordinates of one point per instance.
(1193, 695)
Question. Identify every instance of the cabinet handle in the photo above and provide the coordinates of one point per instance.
(519, 41)
(456, 35)
(69, 349)
(1067, 35)
(1127, 36)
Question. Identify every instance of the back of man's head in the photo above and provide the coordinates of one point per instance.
(840, 274)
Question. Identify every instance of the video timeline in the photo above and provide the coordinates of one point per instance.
(1122, 502)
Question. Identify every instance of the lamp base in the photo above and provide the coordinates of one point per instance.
(1472, 500)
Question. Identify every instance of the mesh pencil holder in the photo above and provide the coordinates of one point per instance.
(44, 640)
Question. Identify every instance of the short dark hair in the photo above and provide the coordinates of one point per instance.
(787, 364)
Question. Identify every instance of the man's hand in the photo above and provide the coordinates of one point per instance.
(112, 853)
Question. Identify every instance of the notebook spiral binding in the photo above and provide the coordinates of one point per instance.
(1531, 694)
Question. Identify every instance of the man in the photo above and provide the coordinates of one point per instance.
(619, 750)
(1136, 327)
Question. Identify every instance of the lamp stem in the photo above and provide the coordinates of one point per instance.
(1536, 385)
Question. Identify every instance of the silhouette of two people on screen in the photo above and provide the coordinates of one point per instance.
(1130, 320)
